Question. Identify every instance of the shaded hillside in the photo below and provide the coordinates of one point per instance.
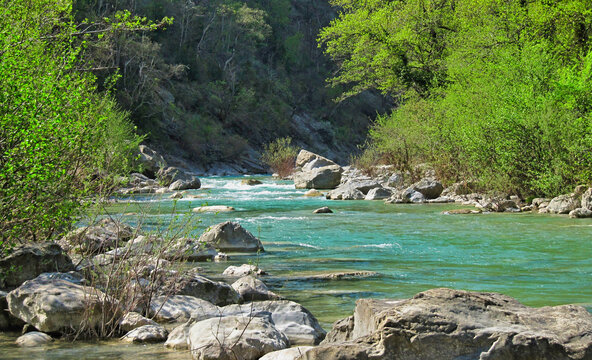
(229, 76)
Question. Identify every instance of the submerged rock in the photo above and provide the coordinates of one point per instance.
(450, 324)
(243, 270)
(33, 338)
(224, 338)
(251, 182)
(213, 208)
(323, 210)
(313, 193)
(28, 261)
(231, 236)
(461, 211)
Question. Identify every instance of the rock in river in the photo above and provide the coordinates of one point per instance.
(451, 324)
(252, 289)
(33, 338)
(56, 305)
(326, 177)
(26, 262)
(230, 236)
(224, 338)
(146, 334)
(213, 208)
(323, 210)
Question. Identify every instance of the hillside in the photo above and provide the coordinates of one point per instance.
(228, 77)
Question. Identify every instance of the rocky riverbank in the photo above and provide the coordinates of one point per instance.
(316, 173)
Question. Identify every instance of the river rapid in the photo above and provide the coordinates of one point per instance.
(538, 259)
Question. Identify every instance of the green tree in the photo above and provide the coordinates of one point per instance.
(60, 140)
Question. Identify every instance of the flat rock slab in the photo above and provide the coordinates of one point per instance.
(287, 354)
(451, 324)
(181, 308)
(339, 275)
(213, 208)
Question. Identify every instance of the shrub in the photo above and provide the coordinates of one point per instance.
(280, 155)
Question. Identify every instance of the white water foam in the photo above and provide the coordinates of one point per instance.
(379, 246)
(309, 246)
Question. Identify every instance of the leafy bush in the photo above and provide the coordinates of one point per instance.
(280, 155)
(60, 141)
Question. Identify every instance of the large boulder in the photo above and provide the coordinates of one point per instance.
(430, 188)
(190, 250)
(252, 289)
(326, 177)
(151, 161)
(291, 318)
(181, 308)
(563, 204)
(56, 305)
(311, 160)
(8, 321)
(230, 236)
(133, 320)
(587, 199)
(406, 196)
(450, 324)
(26, 262)
(177, 179)
(378, 194)
(98, 238)
(233, 337)
(217, 292)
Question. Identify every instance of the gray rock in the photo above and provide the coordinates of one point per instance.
(213, 208)
(396, 180)
(323, 210)
(378, 194)
(26, 262)
(7, 321)
(587, 199)
(286, 354)
(313, 193)
(540, 202)
(243, 270)
(177, 179)
(190, 250)
(251, 182)
(193, 183)
(441, 200)
(291, 318)
(151, 161)
(461, 211)
(33, 338)
(230, 236)
(305, 157)
(98, 238)
(450, 324)
(580, 213)
(252, 289)
(146, 334)
(224, 338)
(341, 331)
(406, 196)
(181, 308)
(55, 305)
(327, 177)
(178, 338)
(133, 320)
(216, 292)
(345, 192)
(563, 204)
(429, 188)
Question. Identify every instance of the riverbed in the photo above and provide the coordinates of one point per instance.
(539, 259)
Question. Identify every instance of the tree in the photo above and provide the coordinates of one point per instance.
(60, 140)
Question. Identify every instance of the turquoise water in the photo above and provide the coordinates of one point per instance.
(538, 259)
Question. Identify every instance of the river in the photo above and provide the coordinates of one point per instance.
(538, 259)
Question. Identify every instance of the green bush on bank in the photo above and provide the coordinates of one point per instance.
(60, 141)
(280, 155)
(495, 91)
